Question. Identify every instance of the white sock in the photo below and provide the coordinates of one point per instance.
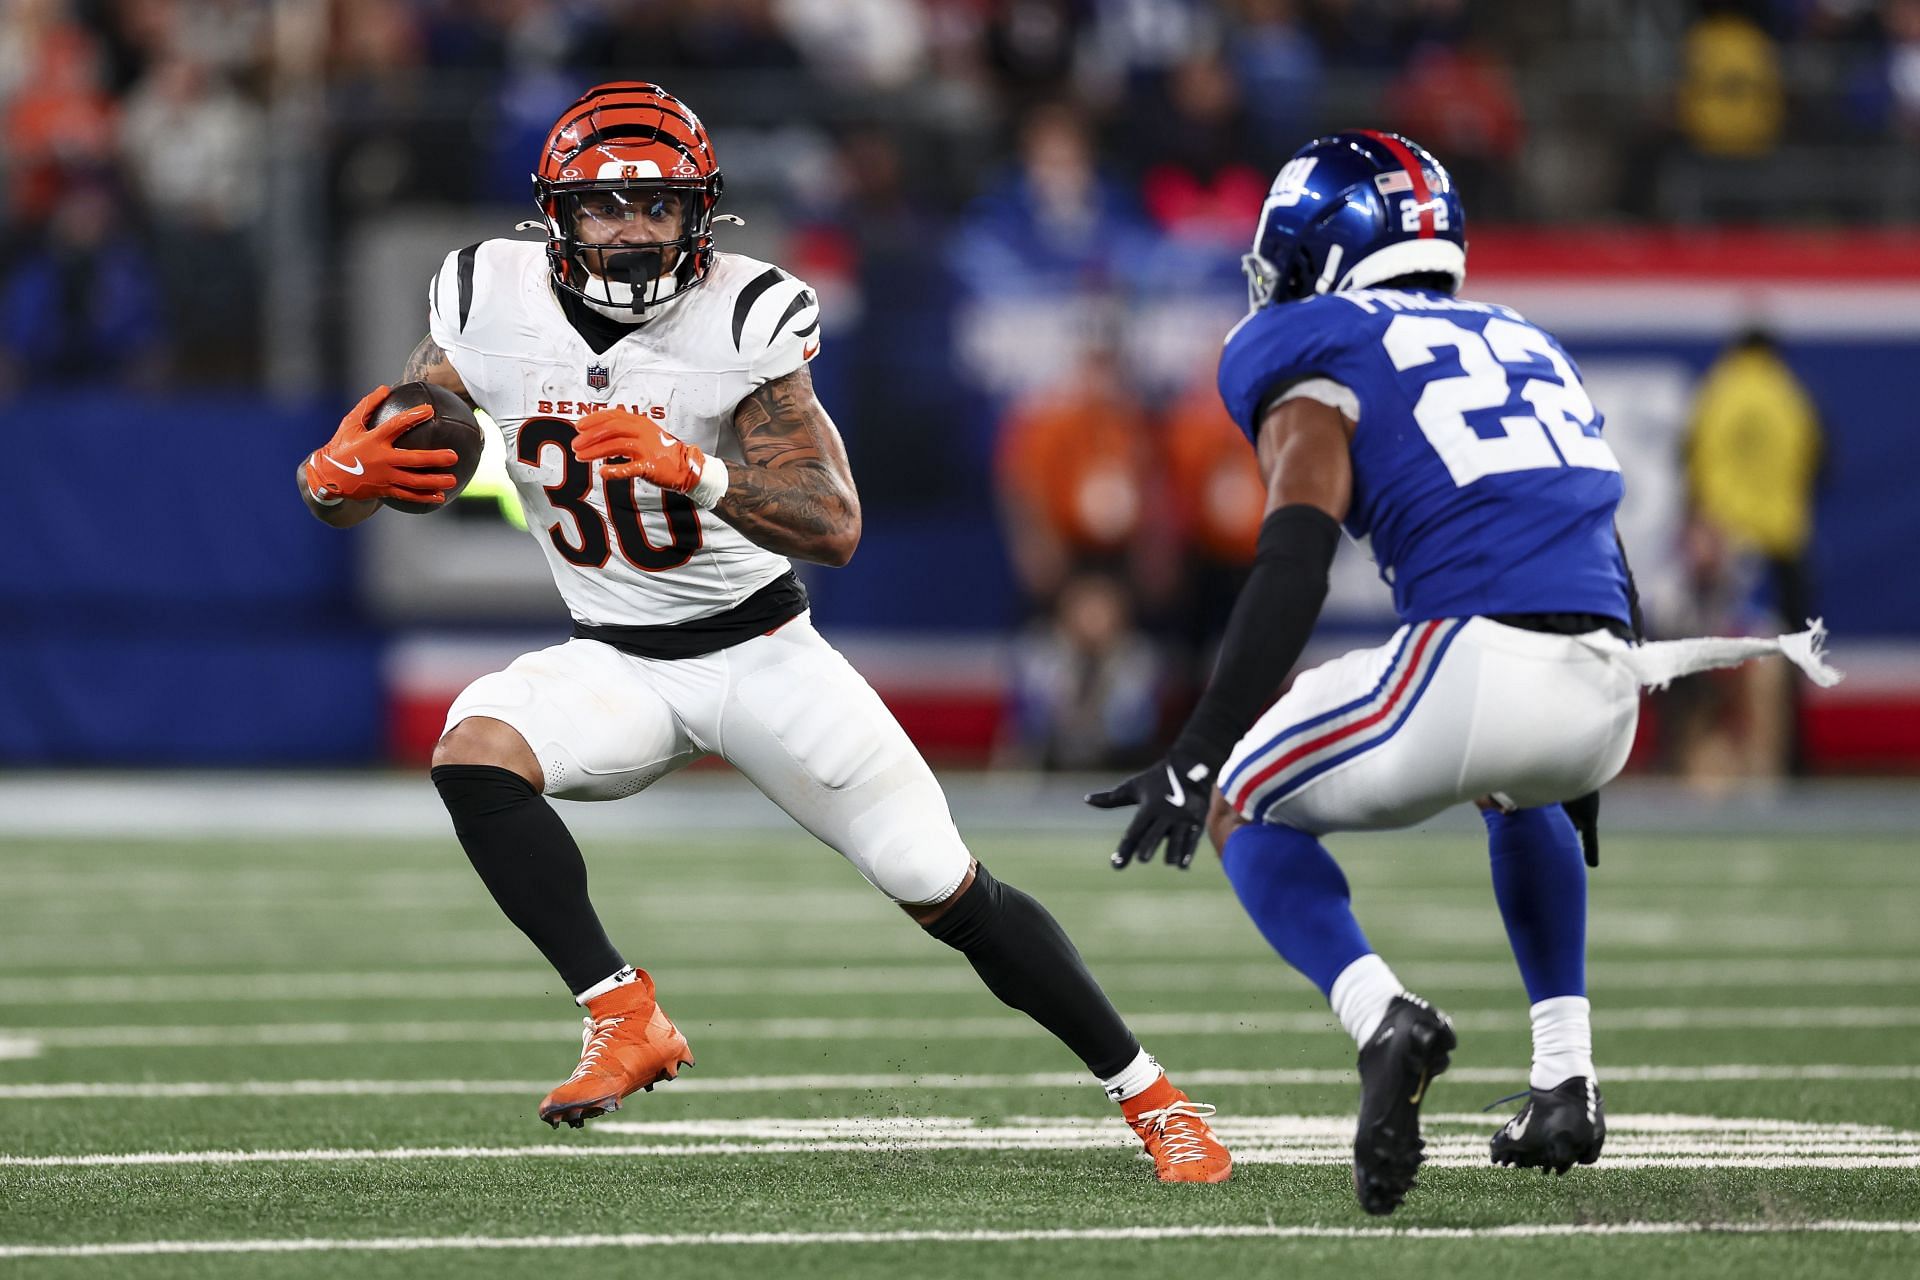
(1562, 1041)
(1134, 1078)
(606, 984)
(1361, 995)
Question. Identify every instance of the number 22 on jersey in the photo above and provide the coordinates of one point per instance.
(1553, 435)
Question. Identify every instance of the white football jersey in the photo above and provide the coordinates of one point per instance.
(625, 553)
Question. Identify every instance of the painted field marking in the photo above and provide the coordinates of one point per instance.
(441, 985)
(1060, 1235)
(1719, 1073)
(1454, 1141)
(512, 1030)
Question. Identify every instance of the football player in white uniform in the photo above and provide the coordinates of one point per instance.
(661, 428)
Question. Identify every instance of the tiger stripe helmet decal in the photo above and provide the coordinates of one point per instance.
(621, 135)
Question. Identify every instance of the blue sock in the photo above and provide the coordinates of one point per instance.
(1540, 882)
(1298, 898)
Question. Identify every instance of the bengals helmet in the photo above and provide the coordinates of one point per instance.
(639, 145)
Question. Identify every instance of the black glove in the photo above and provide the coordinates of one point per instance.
(1585, 812)
(1173, 797)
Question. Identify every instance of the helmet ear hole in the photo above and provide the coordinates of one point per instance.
(1297, 281)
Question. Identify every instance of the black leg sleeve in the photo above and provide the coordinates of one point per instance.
(531, 866)
(1025, 958)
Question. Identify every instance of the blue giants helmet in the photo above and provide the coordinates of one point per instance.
(1350, 210)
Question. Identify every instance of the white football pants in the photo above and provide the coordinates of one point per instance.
(786, 710)
(1445, 712)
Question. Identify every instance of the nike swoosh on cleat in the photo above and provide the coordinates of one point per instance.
(1420, 1090)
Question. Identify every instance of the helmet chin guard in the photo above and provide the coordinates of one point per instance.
(636, 140)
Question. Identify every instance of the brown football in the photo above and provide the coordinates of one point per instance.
(452, 426)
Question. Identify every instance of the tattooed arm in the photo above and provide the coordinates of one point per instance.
(794, 494)
(429, 363)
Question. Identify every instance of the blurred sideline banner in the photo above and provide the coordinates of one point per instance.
(165, 599)
(164, 596)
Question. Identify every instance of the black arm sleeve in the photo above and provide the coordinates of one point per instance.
(1267, 630)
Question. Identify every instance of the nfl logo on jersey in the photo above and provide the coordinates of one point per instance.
(597, 376)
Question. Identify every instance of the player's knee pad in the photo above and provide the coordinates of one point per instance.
(907, 847)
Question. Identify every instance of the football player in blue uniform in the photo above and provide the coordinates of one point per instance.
(1454, 442)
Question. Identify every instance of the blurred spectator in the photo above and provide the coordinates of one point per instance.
(1378, 34)
(81, 306)
(1753, 459)
(1459, 101)
(1135, 43)
(1753, 454)
(887, 313)
(1731, 101)
(718, 35)
(196, 151)
(871, 44)
(1218, 502)
(1203, 169)
(1032, 46)
(1057, 223)
(57, 113)
(1885, 90)
(1086, 683)
(1074, 473)
(1277, 62)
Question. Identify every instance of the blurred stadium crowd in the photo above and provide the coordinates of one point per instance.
(175, 148)
(1024, 217)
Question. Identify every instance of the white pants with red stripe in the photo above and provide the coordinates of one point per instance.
(785, 709)
(1445, 712)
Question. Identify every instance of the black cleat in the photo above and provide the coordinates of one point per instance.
(1397, 1065)
(1557, 1129)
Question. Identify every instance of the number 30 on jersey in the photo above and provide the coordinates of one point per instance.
(1553, 435)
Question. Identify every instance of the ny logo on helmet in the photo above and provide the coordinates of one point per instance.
(1291, 182)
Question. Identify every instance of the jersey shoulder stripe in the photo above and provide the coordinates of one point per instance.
(464, 269)
(466, 294)
(743, 305)
(801, 301)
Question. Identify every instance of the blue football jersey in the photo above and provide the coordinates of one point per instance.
(1481, 483)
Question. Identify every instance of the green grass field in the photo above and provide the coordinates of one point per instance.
(332, 1050)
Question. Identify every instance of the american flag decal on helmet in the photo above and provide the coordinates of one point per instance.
(597, 376)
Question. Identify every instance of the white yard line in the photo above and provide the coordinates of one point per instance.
(441, 985)
(1716, 1073)
(1245, 1022)
(1454, 1140)
(1060, 1235)
(1473, 1157)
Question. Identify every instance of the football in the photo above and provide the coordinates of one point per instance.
(452, 426)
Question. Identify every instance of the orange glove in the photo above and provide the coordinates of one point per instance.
(362, 464)
(651, 454)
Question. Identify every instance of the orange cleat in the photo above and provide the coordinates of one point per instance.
(1174, 1129)
(628, 1044)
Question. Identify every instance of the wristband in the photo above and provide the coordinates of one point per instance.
(319, 495)
(712, 485)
